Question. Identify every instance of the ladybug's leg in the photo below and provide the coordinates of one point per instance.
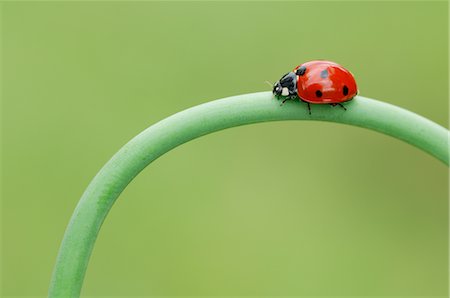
(286, 99)
(335, 104)
(342, 106)
(309, 108)
(289, 97)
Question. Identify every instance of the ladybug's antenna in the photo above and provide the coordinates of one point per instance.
(270, 84)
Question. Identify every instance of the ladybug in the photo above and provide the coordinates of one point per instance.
(317, 82)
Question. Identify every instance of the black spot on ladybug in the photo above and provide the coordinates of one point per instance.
(324, 74)
(319, 93)
(300, 71)
(345, 90)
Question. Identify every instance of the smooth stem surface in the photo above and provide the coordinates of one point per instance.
(192, 123)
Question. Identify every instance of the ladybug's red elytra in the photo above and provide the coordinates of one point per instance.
(317, 82)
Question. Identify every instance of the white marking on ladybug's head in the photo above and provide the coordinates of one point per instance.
(285, 91)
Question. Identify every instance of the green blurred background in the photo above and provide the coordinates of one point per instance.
(286, 208)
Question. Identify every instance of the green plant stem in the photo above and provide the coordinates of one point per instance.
(213, 116)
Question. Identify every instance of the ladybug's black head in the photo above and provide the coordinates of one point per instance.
(286, 86)
(277, 89)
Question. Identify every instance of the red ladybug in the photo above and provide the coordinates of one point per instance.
(317, 82)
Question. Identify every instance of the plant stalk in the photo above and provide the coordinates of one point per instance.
(111, 180)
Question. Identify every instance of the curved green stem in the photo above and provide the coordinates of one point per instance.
(192, 123)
